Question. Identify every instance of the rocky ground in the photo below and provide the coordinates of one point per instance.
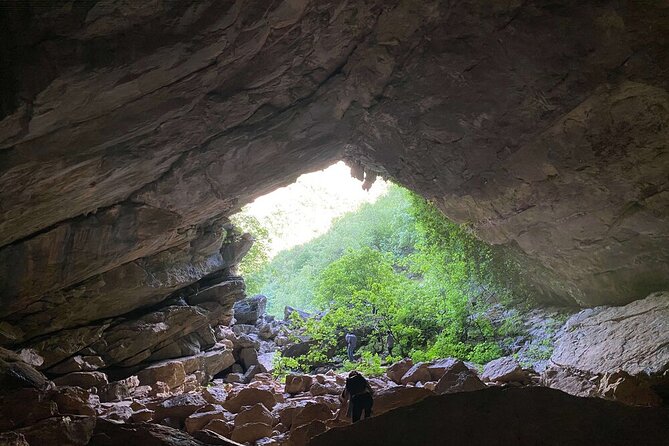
(226, 395)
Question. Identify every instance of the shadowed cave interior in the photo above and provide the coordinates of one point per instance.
(130, 133)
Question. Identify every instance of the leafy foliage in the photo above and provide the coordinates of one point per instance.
(394, 268)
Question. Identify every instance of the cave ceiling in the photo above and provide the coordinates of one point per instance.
(129, 131)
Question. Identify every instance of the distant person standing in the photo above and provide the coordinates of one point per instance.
(390, 342)
(351, 342)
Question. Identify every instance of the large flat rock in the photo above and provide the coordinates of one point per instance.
(633, 338)
(513, 416)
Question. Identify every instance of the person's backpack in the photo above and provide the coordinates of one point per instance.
(356, 384)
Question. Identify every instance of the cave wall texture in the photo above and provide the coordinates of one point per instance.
(129, 131)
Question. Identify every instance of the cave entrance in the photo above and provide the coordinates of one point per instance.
(285, 221)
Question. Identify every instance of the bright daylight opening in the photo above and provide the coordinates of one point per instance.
(331, 260)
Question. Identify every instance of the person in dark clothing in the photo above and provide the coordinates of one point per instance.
(351, 343)
(360, 396)
(390, 342)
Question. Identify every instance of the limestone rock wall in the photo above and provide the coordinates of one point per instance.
(129, 132)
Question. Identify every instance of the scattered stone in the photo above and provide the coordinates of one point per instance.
(418, 372)
(394, 397)
(215, 395)
(249, 396)
(504, 370)
(85, 380)
(180, 406)
(209, 437)
(247, 311)
(310, 412)
(220, 426)
(142, 416)
(257, 413)
(396, 371)
(298, 383)
(631, 390)
(234, 378)
(119, 390)
(571, 381)
(78, 364)
(60, 431)
(248, 357)
(171, 373)
(199, 420)
(76, 401)
(457, 377)
(304, 433)
(30, 356)
(249, 432)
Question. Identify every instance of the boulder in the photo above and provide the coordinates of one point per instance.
(76, 401)
(30, 356)
(457, 377)
(244, 340)
(210, 437)
(304, 433)
(234, 378)
(249, 396)
(60, 431)
(13, 439)
(631, 390)
(418, 372)
(17, 374)
(198, 420)
(171, 373)
(633, 338)
(394, 397)
(396, 371)
(78, 363)
(311, 411)
(287, 410)
(257, 413)
(298, 383)
(248, 357)
(572, 381)
(250, 432)
(220, 426)
(440, 366)
(267, 360)
(215, 395)
(180, 406)
(295, 349)
(111, 433)
(24, 407)
(142, 416)
(253, 371)
(247, 311)
(504, 370)
(119, 390)
(85, 380)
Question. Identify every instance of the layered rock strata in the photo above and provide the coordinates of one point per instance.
(126, 131)
(618, 353)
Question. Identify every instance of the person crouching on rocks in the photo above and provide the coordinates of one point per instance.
(359, 394)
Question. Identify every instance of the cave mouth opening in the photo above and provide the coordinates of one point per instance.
(382, 262)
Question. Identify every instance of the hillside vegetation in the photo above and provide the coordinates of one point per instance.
(395, 267)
